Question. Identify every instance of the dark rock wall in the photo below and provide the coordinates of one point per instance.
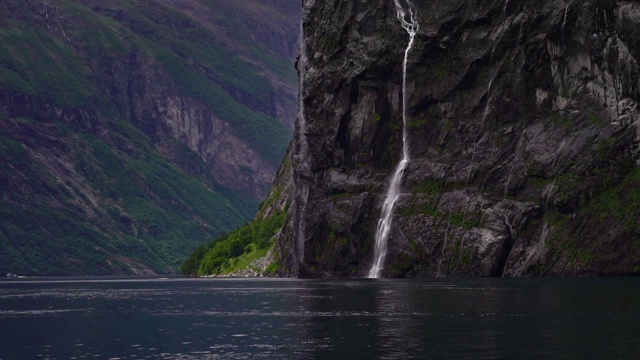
(523, 137)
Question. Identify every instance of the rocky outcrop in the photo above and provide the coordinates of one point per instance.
(523, 138)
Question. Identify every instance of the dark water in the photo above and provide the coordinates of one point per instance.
(321, 319)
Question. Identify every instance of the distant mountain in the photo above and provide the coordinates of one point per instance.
(133, 131)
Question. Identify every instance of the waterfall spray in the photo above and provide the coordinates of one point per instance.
(408, 20)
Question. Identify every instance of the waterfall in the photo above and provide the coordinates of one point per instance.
(408, 20)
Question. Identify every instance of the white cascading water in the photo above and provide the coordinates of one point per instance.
(408, 20)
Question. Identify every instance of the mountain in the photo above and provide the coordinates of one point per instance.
(133, 131)
(522, 138)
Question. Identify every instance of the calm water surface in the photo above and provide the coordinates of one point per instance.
(320, 319)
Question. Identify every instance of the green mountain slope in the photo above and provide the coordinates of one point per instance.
(133, 131)
(250, 250)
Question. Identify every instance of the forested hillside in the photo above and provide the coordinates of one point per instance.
(133, 131)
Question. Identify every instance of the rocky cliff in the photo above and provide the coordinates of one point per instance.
(523, 139)
(133, 131)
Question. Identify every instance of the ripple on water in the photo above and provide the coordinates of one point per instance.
(38, 312)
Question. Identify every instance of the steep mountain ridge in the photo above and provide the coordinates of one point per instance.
(523, 137)
(131, 132)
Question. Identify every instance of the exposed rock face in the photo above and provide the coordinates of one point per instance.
(139, 82)
(523, 138)
(166, 113)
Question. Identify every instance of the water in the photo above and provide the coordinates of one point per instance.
(408, 19)
(597, 318)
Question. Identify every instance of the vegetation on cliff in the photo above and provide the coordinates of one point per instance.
(235, 251)
(248, 250)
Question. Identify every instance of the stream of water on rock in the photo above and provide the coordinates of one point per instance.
(409, 21)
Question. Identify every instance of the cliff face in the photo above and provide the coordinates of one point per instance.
(523, 139)
(133, 131)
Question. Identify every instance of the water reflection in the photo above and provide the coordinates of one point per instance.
(322, 319)
(342, 318)
(397, 336)
(534, 318)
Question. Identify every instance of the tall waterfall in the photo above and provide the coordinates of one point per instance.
(408, 19)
